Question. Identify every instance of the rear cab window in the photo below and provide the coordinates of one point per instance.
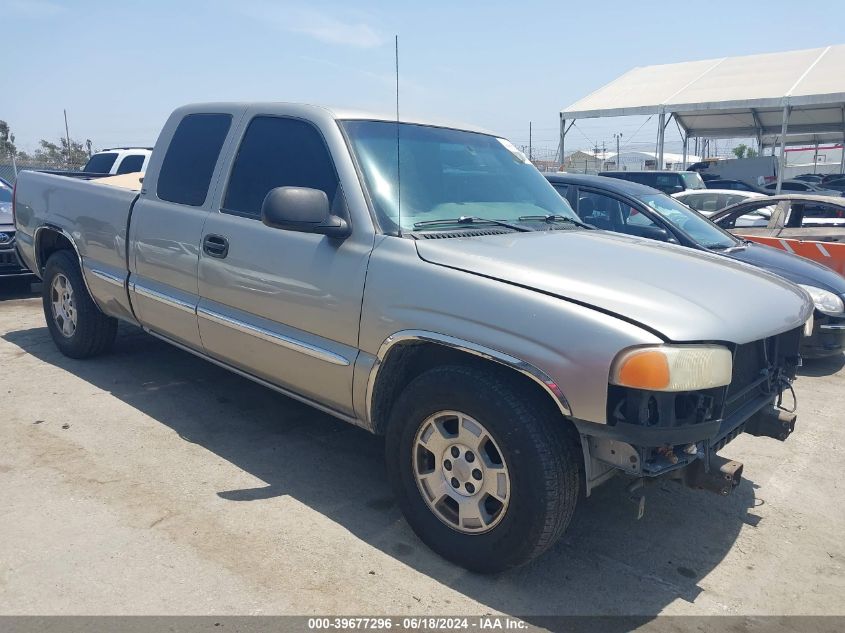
(191, 157)
(131, 164)
(100, 163)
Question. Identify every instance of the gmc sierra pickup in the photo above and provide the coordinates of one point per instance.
(426, 283)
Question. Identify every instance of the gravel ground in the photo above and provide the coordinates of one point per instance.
(151, 482)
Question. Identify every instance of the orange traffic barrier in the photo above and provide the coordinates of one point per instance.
(830, 254)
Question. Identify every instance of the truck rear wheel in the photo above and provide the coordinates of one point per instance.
(78, 327)
(485, 474)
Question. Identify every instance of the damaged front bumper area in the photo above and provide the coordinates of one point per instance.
(676, 435)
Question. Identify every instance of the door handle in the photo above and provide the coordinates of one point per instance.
(215, 246)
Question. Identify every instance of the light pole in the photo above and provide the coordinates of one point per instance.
(618, 137)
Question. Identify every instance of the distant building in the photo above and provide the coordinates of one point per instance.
(586, 161)
(807, 160)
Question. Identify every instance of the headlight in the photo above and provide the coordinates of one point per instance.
(673, 367)
(825, 301)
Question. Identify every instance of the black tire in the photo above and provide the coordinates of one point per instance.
(95, 332)
(539, 447)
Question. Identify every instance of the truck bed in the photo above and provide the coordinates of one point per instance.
(95, 215)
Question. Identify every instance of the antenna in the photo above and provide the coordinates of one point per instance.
(398, 163)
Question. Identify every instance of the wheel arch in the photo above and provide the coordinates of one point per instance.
(405, 354)
(49, 239)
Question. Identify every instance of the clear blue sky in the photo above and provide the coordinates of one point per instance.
(120, 67)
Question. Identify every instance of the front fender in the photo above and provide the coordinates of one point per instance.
(566, 347)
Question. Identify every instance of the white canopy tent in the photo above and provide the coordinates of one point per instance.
(767, 97)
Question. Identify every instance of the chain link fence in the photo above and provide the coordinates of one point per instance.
(8, 169)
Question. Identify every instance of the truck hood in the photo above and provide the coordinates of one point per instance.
(679, 293)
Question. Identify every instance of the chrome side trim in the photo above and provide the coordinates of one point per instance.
(832, 326)
(274, 337)
(527, 369)
(173, 302)
(108, 277)
(260, 381)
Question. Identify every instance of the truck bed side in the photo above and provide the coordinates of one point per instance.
(92, 216)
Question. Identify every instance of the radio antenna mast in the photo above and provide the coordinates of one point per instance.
(398, 165)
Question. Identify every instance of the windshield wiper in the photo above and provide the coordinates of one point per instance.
(469, 219)
(551, 218)
(727, 249)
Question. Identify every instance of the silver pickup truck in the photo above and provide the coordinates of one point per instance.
(426, 283)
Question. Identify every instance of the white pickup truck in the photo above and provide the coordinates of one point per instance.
(424, 282)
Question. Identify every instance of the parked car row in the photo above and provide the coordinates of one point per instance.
(633, 209)
(811, 226)
(516, 346)
(802, 186)
(11, 269)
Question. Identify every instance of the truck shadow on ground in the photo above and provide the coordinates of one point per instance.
(11, 289)
(607, 563)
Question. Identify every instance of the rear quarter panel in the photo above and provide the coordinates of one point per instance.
(92, 216)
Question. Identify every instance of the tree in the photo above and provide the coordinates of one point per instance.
(58, 154)
(743, 151)
(7, 141)
(739, 150)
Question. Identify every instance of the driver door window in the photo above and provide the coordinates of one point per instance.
(612, 214)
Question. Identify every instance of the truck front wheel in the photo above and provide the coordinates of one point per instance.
(75, 322)
(485, 474)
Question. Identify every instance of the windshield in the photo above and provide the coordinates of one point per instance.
(697, 227)
(692, 180)
(5, 193)
(447, 174)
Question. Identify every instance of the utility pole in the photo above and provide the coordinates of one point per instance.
(67, 136)
(618, 137)
(530, 142)
(12, 152)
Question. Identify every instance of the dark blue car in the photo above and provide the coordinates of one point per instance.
(628, 207)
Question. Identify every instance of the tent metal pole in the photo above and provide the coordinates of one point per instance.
(562, 138)
(661, 128)
(842, 155)
(684, 159)
(782, 162)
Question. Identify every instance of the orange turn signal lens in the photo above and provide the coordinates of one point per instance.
(646, 369)
(673, 367)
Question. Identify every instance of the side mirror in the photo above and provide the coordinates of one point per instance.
(653, 233)
(677, 188)
(302, 209)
